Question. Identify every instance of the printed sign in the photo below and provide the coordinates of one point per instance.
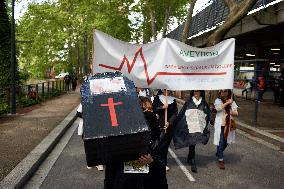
(167, 63)
(107, 85)
(195, 120)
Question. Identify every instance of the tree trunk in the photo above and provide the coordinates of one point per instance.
(153, 23)
(69, 51)
(85, 69)
(78, 60)
(166, 20)
(185, 32)
(237, 12)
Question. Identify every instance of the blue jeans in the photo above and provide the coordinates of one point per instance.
(222, 145)
(260, 95)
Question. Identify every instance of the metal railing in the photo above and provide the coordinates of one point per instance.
(32, 93)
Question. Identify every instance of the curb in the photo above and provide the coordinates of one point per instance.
(266, 136)
(28, 166)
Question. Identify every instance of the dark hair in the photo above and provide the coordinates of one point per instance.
(227, 108)
(202, 93)
(228, 96)
(146, 103)
(159, 92)
(169, 91)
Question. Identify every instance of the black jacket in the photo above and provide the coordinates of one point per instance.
(153, 124)
(156, 178)
(171, 111)
(182, 137)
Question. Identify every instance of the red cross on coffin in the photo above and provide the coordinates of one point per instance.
(115, 129)
(112, 113)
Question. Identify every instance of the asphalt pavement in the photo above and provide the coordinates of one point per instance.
(249, 164)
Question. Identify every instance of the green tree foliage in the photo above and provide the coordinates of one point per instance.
(5, 46)
(156, 17)
(56, 31)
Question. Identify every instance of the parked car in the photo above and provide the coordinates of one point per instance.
(61, 75)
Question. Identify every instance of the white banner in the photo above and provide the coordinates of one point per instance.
(166, 63)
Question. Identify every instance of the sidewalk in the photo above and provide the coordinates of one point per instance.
(21, 133)
(270, 125)
(270, 116)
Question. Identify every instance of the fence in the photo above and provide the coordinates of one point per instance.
(32, 94)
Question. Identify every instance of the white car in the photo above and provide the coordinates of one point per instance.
(61, 75)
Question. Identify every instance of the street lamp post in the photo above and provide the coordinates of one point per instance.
(13, 62)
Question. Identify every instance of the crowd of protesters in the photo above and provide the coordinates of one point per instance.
(261, 86)
(165, 123)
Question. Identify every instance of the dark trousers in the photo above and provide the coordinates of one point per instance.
(276, 95)
(191, 153)
(281, 99)
(67, 85)
(222, 145)
(245, 90)
(163, 146)
(260, 95)
(116, 179)
(156, 178)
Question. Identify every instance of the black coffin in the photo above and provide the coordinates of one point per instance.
(114, 126)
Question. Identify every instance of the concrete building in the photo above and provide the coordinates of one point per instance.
(259, 39)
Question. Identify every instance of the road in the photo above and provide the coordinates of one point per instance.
(249, 164)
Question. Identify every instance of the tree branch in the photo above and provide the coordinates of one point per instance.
(237, 13)
(153, 23)
(185, 32)
(166, 19)
(230, 4)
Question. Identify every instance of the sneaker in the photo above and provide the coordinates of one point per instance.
(100, 167)
(89, 167)
(221, 164)
(167, 168)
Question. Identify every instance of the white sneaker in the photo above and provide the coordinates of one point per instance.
(167, 168)
(100, 167)
(89, 167)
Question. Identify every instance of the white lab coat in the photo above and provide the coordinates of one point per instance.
(218, 123)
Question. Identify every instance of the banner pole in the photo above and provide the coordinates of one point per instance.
(93, 47)
(230, 110)
(166, 110)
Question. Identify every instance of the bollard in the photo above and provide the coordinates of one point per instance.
(36, 89)
(52, 85)
(48, 95)
(42, 87)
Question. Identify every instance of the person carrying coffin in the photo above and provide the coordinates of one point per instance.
(191, 125)
(156, 178)
(80, 132)
(165, 103)
(115, 178)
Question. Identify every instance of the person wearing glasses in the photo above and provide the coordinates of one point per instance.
(224, 126)
(191, 125)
